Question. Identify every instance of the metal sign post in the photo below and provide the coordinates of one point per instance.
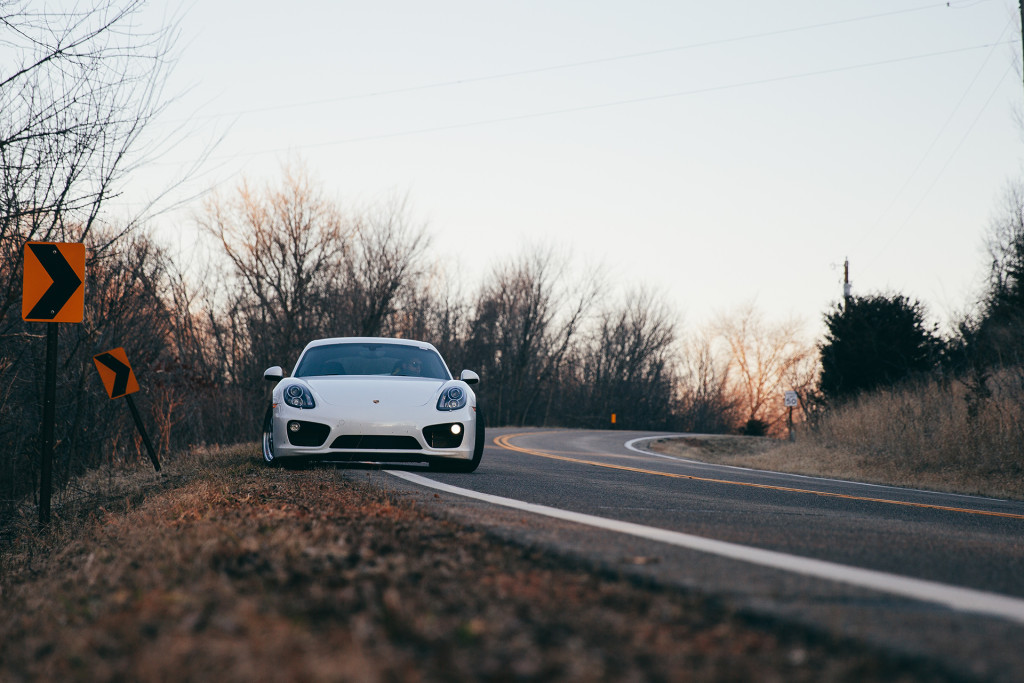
(142, 432)
(53, 291)
(46, 436)
(119, 380)
(791, 401)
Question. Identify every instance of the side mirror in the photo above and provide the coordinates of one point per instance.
(469, 377)
(274, 374)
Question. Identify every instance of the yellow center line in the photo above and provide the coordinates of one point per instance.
(504, 441)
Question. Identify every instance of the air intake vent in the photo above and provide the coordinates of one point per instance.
(376, 442)
(301, 433)
(447, 435)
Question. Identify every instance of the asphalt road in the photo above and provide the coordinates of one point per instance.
(926, 574)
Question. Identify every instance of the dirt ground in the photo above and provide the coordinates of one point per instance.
(227, 570)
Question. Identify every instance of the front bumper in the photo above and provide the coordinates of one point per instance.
(417, 435)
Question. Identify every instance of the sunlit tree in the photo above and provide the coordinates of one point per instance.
(765, 360)
(285, 247)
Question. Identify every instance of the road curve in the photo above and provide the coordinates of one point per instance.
(924, 573)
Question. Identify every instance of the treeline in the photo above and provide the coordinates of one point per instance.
(287, 265)
(78, 87)
(923, 406)
(278, 264)
(551, 348)
(281, 263)
(879, 340)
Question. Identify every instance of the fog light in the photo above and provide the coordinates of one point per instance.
(294, 426)
(456, 429)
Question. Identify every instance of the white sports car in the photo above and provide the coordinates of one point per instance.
(373, 399)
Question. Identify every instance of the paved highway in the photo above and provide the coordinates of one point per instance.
(922, 573)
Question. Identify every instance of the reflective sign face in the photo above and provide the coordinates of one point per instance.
(116, 373)
(53, 288)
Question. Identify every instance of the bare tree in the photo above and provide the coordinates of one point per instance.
(704, 404)
(78, 88)
(628, 364)
(296, 266)
(125, 307)
(524, 322)
(285, 247)
(433, 309)
(764, 360)
(387, 259)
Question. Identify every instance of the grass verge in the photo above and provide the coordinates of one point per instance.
(227, 570)
(817, 455)
(955, 435)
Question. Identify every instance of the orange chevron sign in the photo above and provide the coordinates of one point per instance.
(116, 373)
(53, 288)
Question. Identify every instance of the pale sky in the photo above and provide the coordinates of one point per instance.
(719, 152)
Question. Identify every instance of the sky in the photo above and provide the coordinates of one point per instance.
(719, 153)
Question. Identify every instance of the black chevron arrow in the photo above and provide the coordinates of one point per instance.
(65, 282)
(121, 373)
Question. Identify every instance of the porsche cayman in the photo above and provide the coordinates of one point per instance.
(373, 399)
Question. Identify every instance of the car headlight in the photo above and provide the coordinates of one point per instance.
(298, 396)
(452, 398)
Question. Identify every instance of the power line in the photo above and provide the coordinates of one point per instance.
(949, 159)
(935, 139)
(615, 103)
(582, 63)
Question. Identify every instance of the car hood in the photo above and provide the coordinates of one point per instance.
(393, 392)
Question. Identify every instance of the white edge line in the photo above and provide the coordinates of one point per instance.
(637, 449)
(953, 597)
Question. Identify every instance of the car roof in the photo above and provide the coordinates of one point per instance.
(371, 340)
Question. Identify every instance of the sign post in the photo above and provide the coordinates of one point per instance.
(791, 401)
(119, 380)
(46, 436)
(53, 291)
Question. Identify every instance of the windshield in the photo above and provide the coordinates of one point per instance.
(371, 359)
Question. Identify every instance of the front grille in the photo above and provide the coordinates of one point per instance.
(382, 442)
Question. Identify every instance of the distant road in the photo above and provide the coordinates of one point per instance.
(923, 573)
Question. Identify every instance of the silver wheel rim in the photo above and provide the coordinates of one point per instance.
(268, 442)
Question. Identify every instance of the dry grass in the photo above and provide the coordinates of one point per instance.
(226, 570)
(920, 436)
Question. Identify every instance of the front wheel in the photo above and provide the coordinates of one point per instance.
(268, 438)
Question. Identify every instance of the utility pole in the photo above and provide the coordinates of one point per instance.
(847, 288)
(1021, 6)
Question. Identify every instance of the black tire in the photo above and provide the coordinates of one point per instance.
(466, 466)
(268, 439)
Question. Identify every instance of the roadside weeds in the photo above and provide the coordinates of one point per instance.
(228, 570)
(807, 457)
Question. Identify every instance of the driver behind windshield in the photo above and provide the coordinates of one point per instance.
(410, 367)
